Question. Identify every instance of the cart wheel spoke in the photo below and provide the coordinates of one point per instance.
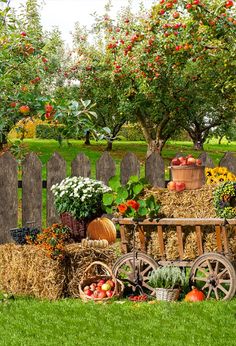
(225, 281)
(209, 266)
(205, 286)
(209, 292)
(220, 287)
(222, 273)
(216, 271)
(199, 278)
(149, 268)
(216, 293)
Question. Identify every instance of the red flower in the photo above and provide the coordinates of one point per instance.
(122, 208)
(133, 204)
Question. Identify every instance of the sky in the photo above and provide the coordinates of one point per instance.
(65, 13)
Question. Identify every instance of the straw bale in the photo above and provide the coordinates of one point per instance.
(189, 203)
(78, 259)
(26, 270)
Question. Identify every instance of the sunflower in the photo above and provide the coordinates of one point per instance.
(218, 175)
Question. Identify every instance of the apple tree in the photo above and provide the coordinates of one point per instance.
(167, 68)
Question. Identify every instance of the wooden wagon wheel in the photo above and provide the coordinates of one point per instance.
(135, 272)
(215, 275)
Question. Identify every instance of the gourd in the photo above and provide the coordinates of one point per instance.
(194, 296)
(101, 244)
(102, 228)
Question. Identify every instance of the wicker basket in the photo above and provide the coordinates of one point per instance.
(90, 276)
(78, 227)
(192, 176)
(167, 294)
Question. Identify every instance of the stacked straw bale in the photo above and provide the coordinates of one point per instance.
(186, 204)
(26, 270)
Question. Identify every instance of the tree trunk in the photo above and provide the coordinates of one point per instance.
(220, 139)
(109, 145)
(198, 145)
(87, 138)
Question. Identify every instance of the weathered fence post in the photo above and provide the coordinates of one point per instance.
(229, 161)
(8, 196)
(155, 170)
(105, 168)
(206, 160)
(56, 172)
(129, 166)
(32, 190)
(81, 166)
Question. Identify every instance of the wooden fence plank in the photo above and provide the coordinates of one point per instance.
(229, 161)
(105, 168)
(155, 170)
(206, 160)
(81, 166)
(129, 166)
(32, 190)
(9, 196)
(56, 172)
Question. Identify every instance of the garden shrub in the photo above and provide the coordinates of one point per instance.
(131, 133)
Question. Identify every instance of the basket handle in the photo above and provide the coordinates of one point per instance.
(102, 265)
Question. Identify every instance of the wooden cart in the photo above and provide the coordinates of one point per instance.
(214, 272)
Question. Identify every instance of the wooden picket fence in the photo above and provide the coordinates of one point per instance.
(32, 184)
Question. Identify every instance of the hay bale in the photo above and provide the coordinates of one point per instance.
(78, 259)
(26, 270)
(187, 204)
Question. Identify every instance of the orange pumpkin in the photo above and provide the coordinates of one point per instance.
(194, 296)
(102, 228)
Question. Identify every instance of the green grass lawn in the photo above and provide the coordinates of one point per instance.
(72, 322)
(45, 149)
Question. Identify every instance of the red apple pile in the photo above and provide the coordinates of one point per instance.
(176, 186)
(140, 298)
(188, 160)
(100, 289)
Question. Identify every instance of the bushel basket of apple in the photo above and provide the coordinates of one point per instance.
(98, 283)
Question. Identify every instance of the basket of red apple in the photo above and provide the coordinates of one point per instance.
(187, 173)
(99, 283)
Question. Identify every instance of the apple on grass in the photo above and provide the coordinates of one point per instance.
(109, 293)
(88, 292)
(111, 283)
(102, 294)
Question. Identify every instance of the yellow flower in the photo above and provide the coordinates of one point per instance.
(208, 172)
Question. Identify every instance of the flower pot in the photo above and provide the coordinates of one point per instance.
(78, 227)
(167, 294)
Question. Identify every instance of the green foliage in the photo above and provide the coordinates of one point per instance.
(47, 131)
(225, 200)
(131, 133)
(127, 200)
(167, 277)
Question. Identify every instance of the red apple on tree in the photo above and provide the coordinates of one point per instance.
(24, 109)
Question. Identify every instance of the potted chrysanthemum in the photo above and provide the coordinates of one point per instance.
(78, 200)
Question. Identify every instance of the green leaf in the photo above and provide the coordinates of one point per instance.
(142, 211)
(114, 183)
(122, 193)
(133, 179)
(107, 198)
(137, 188)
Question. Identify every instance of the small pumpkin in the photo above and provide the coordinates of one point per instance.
(101, 244)
(194, 296)
(102, 228)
